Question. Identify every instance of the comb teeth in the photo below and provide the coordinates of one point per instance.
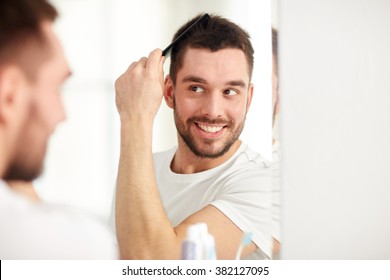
(167, 51)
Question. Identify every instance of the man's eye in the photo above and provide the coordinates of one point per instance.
(196, 89)
(230, 92)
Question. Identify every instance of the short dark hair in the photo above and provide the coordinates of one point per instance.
(20, 30)
(215, 34)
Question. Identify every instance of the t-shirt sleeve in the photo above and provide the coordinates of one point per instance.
(245, 199)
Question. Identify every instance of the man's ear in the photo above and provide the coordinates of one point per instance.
(169, 91)
(12, 95)
(250, 95)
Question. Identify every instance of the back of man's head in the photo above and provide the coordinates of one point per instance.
(21, 36)
(214, 34)
(31, 70)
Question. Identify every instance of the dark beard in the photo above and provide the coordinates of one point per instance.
(20, 170)
(24, 164)
(191, 144)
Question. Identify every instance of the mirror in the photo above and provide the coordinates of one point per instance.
(100, 39)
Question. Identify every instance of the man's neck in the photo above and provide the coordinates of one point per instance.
(186, 162)
(24, 188)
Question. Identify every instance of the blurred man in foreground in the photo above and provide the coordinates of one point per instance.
(32, 69)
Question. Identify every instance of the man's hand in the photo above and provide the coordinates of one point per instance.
(139, 90)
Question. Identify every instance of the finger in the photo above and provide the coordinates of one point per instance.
(132, 65)
(154, 60)
(143, 62)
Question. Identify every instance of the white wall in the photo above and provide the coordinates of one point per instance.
(335, 100)
(101, 38)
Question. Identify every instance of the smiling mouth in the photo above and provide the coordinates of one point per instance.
(210, 129)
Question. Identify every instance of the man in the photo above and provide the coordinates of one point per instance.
(212, 177)
(32, 70)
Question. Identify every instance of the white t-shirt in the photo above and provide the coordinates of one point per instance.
(33, 230)
(240, 188)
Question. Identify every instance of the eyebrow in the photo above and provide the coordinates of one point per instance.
(196, 79)
(236, 83)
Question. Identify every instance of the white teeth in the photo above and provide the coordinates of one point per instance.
(210, 129)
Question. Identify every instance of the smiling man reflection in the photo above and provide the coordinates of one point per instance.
(211, 177)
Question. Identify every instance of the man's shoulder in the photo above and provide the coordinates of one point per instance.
(162, 156)
(248, 156)
(164, 153)
(246, 165)
(41, 230)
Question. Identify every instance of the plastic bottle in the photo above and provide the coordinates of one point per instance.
(191, 247)
(199, 244)
(208, 243)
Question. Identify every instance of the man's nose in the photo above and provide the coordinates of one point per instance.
(213, 105)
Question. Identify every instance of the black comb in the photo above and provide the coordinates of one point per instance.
(167, 51)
